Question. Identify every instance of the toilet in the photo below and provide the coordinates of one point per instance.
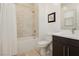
(45, 46)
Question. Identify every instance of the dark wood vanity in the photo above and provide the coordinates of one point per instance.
(65, 46)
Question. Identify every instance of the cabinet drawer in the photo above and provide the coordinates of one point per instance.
(73, 42)
(60, 40)
(67, 41)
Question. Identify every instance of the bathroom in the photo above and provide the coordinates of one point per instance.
(28, 25)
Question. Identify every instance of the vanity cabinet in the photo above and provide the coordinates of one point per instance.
(65, 46)
(58, 49)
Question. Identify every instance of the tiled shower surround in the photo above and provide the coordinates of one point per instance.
(26, 20)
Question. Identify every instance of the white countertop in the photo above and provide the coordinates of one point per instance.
(68, 34)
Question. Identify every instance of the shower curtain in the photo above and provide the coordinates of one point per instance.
(8, 37)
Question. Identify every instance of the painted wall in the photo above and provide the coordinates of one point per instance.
(8, 29)
(46, 28)
(55, 26)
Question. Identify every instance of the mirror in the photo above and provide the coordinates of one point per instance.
(68, 15)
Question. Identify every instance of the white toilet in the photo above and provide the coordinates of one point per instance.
(44, 46)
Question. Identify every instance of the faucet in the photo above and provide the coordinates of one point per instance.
(73, 30)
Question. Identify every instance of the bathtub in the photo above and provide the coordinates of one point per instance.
(26, 43)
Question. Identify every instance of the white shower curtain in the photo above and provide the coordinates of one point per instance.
(8, 37)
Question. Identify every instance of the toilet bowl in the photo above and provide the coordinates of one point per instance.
(42, 47)
(43, 44)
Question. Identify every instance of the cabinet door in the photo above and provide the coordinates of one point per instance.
(58, 49)
(73, 51)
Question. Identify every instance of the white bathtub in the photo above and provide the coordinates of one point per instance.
(27, 43)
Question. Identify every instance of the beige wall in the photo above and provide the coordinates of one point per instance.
(26, 15)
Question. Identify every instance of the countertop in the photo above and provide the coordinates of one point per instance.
(68, 34)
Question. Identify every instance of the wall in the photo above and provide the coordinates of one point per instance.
(8, 29)
(46, 28)
(55, 26)
(27, 24)
(26, 19)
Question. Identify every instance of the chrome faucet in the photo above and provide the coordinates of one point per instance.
(73, 30)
